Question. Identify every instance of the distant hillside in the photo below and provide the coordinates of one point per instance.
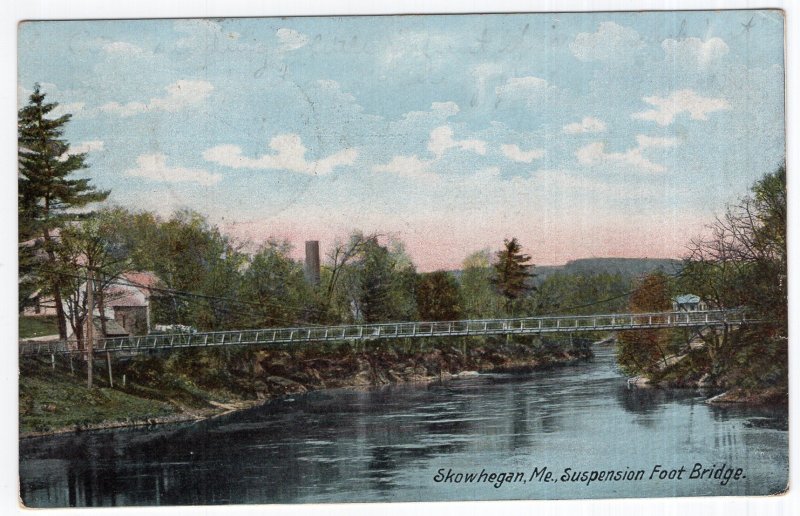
(545, 271)
(629, 267)
(626, 266)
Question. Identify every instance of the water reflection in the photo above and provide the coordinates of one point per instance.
(386, 444)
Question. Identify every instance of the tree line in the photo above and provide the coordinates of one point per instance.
(741, 263)
(212, 282)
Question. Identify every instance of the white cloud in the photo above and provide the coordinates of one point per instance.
(694, 51)
(587, 125)
(289, 155)
(681, 101)
(594, 154)
(514, 153)
(53, 94)
(124, 110)
(123, 48)
(180, 94)
(610, 41)
(442, 140)
(331, 85)
(291, 39)
(72, 108)
(81, 148)
(154, 167)
(87, 146)
(23, 95)
(332, 94)
(407, 166)
(531, 90)
(439, 113)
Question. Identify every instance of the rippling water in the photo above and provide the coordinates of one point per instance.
(392, 444)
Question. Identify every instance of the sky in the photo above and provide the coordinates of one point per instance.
(583, 135)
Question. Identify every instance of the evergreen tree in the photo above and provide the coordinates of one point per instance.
(47, 191)
(513, 273)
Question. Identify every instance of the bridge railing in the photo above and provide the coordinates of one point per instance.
(521, 325)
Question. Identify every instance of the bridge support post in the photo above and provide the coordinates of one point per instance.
(110, 377)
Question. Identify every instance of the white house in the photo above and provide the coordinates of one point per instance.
(688, 303)
(126, 300)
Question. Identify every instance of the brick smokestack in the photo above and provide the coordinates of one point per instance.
(312, 262)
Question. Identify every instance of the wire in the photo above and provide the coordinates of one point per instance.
(208, 297)
(129, 283)
(620, 296)
(204, 297)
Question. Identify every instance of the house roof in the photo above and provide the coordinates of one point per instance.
(686, 299)
(134, 289)
(121, 295)
(145, 280)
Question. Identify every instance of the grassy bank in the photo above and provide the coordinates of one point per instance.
(51, 400)
(56, 400)
(197, 383)
(37, 326)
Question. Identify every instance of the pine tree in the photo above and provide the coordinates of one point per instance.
(512, 273)
(47, 192)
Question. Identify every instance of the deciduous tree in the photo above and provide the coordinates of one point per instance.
(438, 297)
(742, 263)
(643, 351)
(478, 294)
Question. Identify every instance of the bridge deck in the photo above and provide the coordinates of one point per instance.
(399, 330)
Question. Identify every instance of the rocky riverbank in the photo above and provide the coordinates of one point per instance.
(692, 371)
(197, 384)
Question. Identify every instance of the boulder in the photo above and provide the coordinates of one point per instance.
(286, 384)
(705, 381)
(639, 381)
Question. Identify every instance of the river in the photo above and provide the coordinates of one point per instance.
(423, 443)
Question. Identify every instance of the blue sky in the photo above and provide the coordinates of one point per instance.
(599, 134)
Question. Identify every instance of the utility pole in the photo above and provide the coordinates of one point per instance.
(89, 327)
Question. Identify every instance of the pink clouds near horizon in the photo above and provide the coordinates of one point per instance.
(437, 245)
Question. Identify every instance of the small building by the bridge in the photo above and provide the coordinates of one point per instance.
(688, 303)
(127, 305)
(128, 301)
